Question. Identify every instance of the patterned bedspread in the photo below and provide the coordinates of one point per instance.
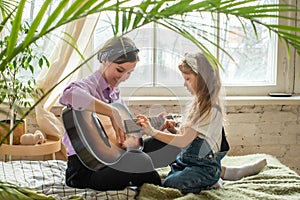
(48, 177)
(275, 181)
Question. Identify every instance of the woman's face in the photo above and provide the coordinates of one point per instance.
(115, 73)
(190, 82)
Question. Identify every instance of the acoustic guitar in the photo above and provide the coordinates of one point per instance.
(93, 137)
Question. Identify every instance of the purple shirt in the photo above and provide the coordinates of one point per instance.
(80, 94)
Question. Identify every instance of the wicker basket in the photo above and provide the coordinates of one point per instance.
(18, 131)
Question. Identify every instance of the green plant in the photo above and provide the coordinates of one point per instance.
(17, 83)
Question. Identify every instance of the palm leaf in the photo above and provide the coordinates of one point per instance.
(15, 29)
(53, 17)
(70, 11)
(35, 24)
(116, 27)
(5, 20)
(85, 7)
(96, 9)
(7, 7)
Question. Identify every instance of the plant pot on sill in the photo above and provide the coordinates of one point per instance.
(18, 131)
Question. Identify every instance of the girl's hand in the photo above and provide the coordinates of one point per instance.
(162, 115)
(117, 124)
(170, 126)
(145, 124)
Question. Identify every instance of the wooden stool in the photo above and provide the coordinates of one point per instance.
(51, 146)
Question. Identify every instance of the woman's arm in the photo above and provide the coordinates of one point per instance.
(114, 115)
(78, 97)
(185, 137)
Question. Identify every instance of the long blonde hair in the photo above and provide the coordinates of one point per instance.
(208, 85)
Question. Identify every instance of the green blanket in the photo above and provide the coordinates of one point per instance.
(275, 181)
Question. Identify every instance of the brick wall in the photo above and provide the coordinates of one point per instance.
(271, 129)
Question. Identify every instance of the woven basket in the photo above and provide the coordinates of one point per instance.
(18, 131)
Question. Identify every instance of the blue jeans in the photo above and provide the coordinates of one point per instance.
(196, 168)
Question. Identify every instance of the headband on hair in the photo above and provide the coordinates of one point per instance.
(191, 60)
(116, 52)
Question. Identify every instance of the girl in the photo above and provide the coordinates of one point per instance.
(198, 165)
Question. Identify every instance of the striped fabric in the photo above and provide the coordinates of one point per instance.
(49, 178)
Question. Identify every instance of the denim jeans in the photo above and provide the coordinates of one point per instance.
(196, 168)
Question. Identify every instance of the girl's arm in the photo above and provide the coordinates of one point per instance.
(185, 137)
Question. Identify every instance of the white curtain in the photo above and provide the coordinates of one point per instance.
(63, 60)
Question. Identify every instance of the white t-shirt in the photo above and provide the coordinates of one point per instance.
(210, 129)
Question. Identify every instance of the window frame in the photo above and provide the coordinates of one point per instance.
(296, 82)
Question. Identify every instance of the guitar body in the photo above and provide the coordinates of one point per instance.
(93, 137)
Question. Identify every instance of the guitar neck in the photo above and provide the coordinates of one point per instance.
(132, 127)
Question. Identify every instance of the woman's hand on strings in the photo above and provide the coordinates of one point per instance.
(117, 123)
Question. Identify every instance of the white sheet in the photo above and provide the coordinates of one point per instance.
(49, 178)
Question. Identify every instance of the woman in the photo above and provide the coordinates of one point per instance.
(198, 165)
(118, 59)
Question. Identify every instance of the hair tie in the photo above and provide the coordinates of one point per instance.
(191, 60)
(116, 52)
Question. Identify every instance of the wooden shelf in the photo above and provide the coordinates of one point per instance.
(51, 146)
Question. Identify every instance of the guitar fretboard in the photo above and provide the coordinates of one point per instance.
(132, 127)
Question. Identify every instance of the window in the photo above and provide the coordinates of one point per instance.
(260, 65)
(257, 63)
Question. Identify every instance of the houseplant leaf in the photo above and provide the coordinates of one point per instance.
(16, 23)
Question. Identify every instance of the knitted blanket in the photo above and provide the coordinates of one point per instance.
(275, 181)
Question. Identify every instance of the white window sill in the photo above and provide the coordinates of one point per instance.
(262, 100)
(230, 100)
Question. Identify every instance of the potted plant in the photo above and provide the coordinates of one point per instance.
(17, 87)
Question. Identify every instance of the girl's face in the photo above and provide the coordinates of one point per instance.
(190, 82)
(115, 73)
